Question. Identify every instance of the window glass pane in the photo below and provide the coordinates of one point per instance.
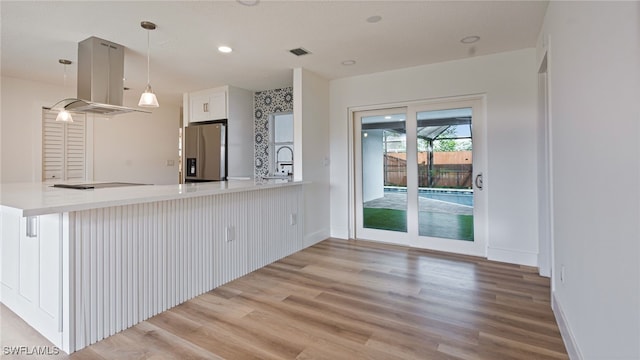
(384, 172)
(283, 128)
(445, 164)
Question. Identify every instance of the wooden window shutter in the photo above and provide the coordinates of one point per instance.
(63, 147)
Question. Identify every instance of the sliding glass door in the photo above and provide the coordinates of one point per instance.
(418, 176)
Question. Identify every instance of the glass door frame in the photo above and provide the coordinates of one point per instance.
(411, 238)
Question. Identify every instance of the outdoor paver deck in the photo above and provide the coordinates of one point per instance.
(398, 201)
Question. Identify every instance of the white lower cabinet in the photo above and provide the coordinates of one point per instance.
(31, 275)
(9, 255)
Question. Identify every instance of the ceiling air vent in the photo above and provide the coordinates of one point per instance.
(299, 51)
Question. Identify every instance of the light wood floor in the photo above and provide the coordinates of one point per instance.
(347, 300)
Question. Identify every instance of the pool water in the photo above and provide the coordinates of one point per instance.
(461, 197)
(457, 197)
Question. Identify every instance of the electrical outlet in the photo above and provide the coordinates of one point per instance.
(562, 277)
(170, 162)
(231, 233)
(293, 219)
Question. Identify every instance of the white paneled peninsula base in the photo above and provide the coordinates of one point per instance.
(81, 265)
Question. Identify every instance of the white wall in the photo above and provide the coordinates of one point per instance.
(594, 78)
(240, 139)
(510, 83)
(372, 165)
(135, 147)
(21, 126)
(128, 147)
(311, 146)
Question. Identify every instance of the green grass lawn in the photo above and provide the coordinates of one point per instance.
(385, 219)
(441, 225)
(448, 226)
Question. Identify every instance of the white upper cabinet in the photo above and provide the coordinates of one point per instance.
(208, 105)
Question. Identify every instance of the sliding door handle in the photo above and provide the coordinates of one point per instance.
(478, 181)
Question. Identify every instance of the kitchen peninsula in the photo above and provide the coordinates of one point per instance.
(81, 265)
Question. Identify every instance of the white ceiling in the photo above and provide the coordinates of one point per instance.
(184, 54)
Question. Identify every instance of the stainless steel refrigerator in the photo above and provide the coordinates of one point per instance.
(205, 152)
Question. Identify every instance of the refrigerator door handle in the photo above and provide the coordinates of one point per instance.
(223, 154)
(201, 153)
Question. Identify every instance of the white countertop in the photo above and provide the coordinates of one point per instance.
(40, 198)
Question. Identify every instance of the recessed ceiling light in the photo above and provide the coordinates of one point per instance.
(470, 39)
(225, 49)
(248, 2)
(387, 117)
(349, 62)
(374, 19)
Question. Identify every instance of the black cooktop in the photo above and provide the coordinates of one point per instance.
(95, 186)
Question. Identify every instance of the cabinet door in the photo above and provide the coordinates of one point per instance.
(29, 262)
(199, 106)
(31, 270)
(218, 105)
(207, 106)
(9, 252)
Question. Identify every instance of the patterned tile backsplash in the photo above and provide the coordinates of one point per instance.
(266, 103)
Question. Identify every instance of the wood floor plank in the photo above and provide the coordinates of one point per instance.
(440, 326)
(348, 300)
(166, 344)
(317, 342)
(520, 349)
(267, 344)
(220, 343)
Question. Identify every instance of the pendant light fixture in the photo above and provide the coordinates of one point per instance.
(63, 114)
(148, 98)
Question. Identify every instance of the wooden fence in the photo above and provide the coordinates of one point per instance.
(449, 170)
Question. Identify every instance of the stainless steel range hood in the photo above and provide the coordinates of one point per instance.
(100, 79)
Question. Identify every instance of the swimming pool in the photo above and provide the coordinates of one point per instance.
(456, 196)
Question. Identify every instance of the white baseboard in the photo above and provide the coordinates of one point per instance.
(512, 256)
(567, 336)
(315, 237)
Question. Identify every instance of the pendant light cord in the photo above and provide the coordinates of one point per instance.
(148, 98)
(148, 51)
